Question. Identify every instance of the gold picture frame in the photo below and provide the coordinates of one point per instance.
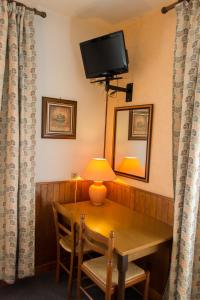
(138, 124)
(58, 118)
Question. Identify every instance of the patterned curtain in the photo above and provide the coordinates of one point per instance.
(17, 141)
(184, 283)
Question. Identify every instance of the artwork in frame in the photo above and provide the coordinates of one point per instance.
(138, 124)
(58, 118)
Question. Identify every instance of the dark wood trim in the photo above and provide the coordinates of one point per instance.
(44, 133)
(45, 268)
(148, 151)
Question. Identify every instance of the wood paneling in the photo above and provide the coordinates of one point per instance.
(150, 204)
(46, 192)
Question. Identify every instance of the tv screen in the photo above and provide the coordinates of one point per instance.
(105, 56)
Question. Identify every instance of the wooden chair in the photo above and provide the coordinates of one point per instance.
(103, 270)
(66, 240)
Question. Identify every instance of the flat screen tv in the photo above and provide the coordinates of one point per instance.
(105, 56)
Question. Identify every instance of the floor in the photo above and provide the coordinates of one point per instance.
(44, 287)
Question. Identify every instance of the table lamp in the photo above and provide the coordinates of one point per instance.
(98, 170)
(131, 165)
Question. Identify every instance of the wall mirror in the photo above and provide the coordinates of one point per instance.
(132, 141)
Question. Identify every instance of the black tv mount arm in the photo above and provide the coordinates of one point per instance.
(128, 90)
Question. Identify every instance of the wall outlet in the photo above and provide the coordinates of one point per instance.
(74, 175)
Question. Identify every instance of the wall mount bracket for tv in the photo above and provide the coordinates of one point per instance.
(128, 89)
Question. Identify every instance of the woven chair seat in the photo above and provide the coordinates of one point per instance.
(97, 267)
(67, 245)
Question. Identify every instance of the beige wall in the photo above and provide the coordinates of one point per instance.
(150, 43)
(60, 74)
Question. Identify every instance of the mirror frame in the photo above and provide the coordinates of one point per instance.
(148, 151)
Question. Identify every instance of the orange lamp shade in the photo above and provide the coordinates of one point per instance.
(131, 165)
(98, 169)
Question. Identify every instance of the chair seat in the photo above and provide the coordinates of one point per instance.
(97, 267)
(66, 244)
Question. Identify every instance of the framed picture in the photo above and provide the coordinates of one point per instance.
(138, 124)
(58, 118)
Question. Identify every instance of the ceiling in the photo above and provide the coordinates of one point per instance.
(111, 11)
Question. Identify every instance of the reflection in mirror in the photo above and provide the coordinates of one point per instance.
(132, 137)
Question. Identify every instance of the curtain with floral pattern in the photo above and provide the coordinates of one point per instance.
(184, 283)
(17, 141)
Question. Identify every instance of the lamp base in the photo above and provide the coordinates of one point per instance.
(97, 193)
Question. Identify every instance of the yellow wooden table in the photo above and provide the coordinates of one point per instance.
(136, 234)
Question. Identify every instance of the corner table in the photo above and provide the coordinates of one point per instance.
(137, 235)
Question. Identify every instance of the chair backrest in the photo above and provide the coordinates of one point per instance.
(98, 243)
(64, 223)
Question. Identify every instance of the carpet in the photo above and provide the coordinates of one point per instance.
(44, 287)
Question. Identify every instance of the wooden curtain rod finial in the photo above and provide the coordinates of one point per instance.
(40, 13)
(164, 10)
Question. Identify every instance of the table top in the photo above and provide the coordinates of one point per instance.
(134, 231)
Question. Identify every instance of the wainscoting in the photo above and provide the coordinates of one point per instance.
(150, 204)
(45, 239)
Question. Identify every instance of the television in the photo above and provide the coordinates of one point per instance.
(105, 56)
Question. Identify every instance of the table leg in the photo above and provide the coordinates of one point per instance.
(122, 265)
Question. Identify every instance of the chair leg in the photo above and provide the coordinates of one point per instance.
(109, 297)
(58, 265)
(69, 288)
(146, 288)
(79, 283)
(113, 297)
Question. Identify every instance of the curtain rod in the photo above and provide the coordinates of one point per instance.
(165, 9)
(37, 12)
